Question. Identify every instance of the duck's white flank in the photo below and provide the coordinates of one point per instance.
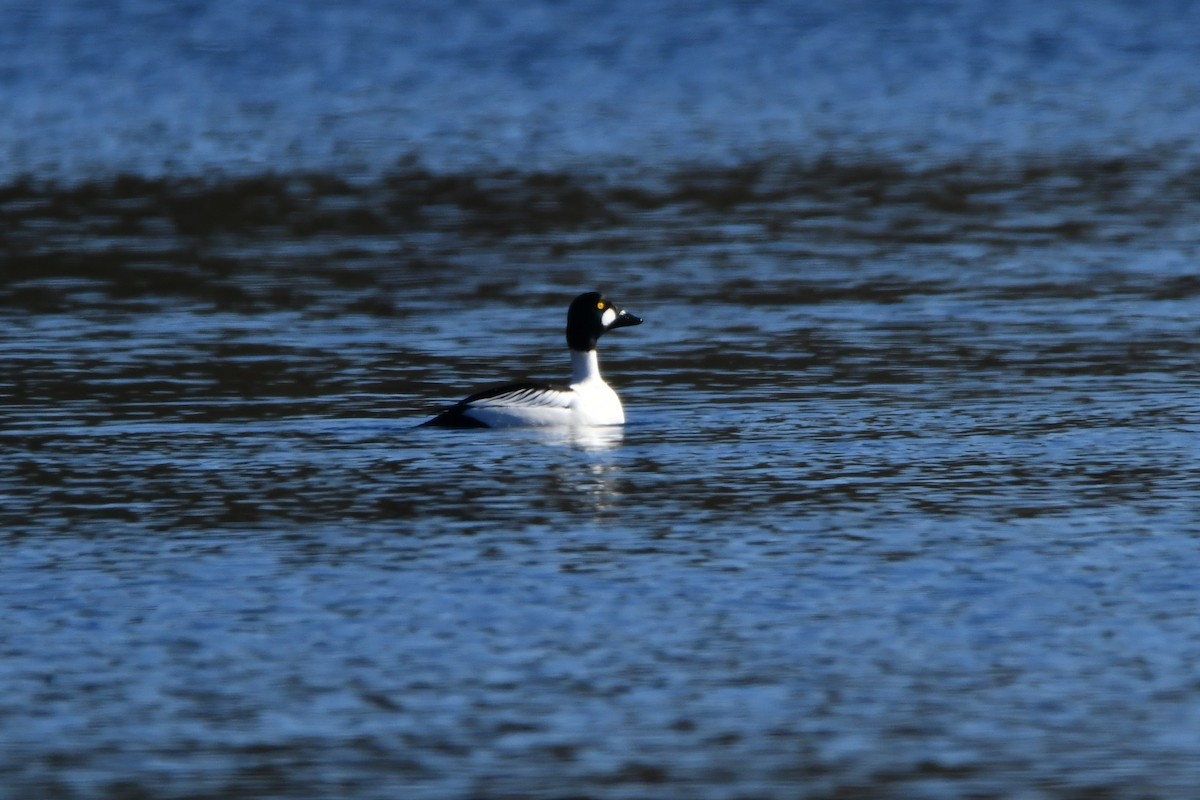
(587, 401)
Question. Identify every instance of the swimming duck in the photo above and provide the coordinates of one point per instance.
(586, 400)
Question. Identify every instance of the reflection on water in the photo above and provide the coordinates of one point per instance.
(905, 506)
(589, 438)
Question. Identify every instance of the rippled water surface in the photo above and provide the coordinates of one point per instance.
(906, 505)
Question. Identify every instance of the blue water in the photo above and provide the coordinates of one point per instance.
(907, 502)
(164, 88)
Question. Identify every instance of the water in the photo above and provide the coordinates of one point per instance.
(165, 88)
(906, 505)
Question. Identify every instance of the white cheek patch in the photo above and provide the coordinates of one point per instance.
(608, 317)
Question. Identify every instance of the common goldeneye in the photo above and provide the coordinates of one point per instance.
(587, 400)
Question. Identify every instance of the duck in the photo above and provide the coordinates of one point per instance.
(587, 400)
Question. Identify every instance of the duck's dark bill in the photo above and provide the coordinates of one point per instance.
(624, 320)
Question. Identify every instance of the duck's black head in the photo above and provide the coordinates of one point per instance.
(590, 315)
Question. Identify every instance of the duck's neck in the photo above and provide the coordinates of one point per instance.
(585, 366)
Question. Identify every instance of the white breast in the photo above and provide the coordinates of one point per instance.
(595, 403)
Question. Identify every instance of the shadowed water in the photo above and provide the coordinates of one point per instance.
(905, 507)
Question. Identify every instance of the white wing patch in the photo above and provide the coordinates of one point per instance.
(587, 402)
(526, 397)
(522, 406)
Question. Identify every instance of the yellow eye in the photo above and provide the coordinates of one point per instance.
(600, 306)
